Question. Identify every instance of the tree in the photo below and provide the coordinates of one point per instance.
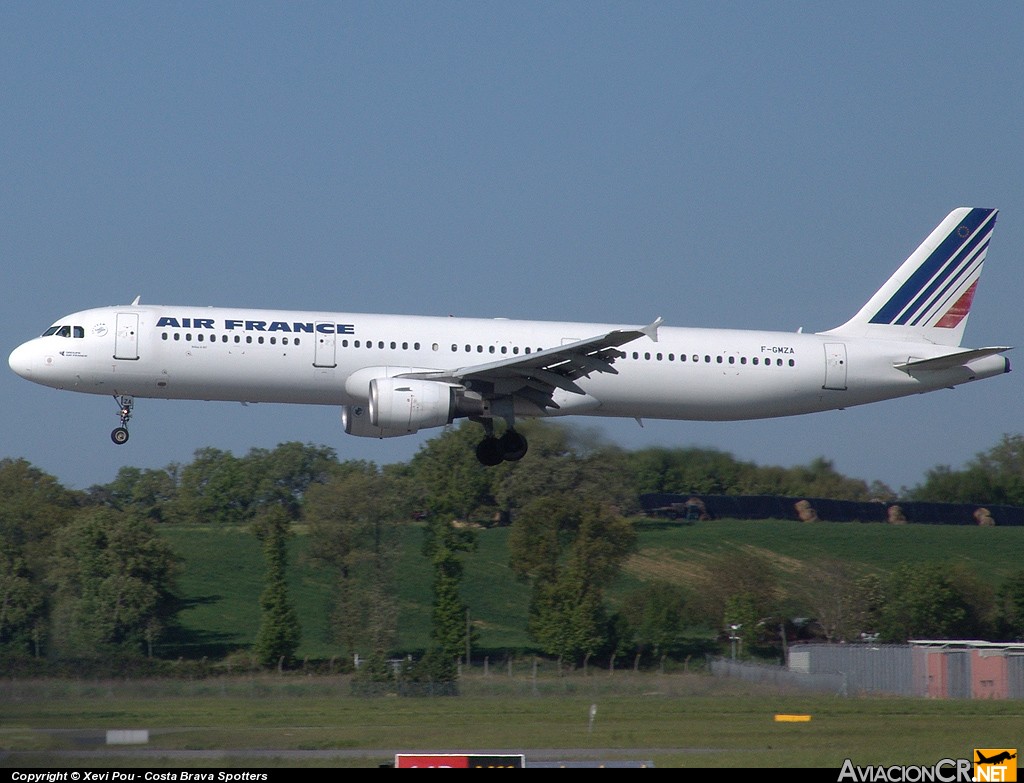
(282, 476)
(442, 544)
(148, 494)
(996, 476)
(34, 507)
(215, 488)
(832, 596)
(934, 601)
(1011, 607)
(656, 616)
(21, 602)
(113, 577)
(568, 551)
(279, 633)
(354, 518)
(568, 462)
(447, 477)
(737, 579)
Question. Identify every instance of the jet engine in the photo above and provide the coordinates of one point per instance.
(405, 406)
(356, 421)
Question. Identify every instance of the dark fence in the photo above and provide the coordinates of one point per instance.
(776, 507)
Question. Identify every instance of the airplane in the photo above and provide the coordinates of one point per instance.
(996, 759)
(394, 375)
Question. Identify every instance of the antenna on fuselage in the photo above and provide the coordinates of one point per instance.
(136, 300)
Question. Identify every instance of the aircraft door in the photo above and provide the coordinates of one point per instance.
(835, 366)
(126, 336)
(324, 353)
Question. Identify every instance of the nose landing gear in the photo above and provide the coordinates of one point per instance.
(120, 435)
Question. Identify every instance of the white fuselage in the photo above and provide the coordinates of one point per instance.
(329, 359)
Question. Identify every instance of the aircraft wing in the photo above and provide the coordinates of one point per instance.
(536, 376)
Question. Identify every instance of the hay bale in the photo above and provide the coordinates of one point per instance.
(984, 518)
(895, 516)
(805, 511)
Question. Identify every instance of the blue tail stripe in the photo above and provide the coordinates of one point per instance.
(954, 269)
(965, 270)
(912, 290)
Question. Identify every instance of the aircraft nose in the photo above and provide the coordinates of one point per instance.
(21, 360)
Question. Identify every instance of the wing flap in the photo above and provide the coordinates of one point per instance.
(536, 376)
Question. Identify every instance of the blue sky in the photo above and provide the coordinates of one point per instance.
(752, 165)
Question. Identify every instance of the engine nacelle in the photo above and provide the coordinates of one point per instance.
(356, 421)
(404, 406)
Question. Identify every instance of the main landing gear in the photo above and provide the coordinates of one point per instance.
(510, 447)
(120, 435)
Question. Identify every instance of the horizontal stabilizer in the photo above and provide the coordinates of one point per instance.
(950, 360)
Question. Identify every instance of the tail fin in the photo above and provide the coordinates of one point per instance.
(929, 297)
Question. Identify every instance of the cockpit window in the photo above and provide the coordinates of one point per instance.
(64, 331)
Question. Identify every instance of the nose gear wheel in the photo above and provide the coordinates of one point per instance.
(120, 435)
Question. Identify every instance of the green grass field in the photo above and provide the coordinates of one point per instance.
(222, 572)
(678, 720)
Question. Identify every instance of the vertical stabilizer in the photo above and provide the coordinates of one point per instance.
(930, 296)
